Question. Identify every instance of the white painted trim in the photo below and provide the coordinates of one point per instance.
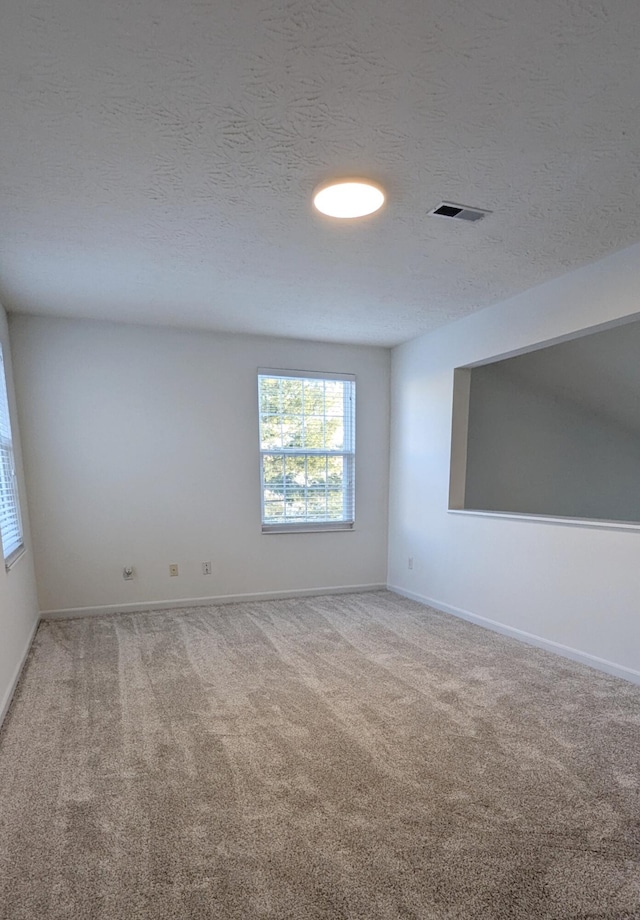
(601, 664)
(11, 689)
(549, 519)
(73, 612)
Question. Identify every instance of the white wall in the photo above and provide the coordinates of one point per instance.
(576, 586)
(141, 448)
(532, 450)
(18, 600)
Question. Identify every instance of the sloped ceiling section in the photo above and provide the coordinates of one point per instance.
(158, 157)
(599, 372)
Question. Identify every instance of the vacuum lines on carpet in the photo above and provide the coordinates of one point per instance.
(355, 756)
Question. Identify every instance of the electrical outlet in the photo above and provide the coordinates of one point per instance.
(206, 568)
(410, 562)
(128, 573)
(173, 569)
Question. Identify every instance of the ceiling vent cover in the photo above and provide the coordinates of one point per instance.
(457, 211)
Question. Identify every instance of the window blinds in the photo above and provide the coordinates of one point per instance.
(307, 448)
(10, 524)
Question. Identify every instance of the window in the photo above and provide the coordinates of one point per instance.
(307, 450)
(10, 525)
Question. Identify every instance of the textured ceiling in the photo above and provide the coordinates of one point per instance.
(157, 157)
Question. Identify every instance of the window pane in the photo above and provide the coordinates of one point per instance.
(314, 432)
(270, 432)
(295, 471)
(335, 470)
(317, 505)
(334, 397)
(292, 431)
(292, 397)
(273, 477)
(316, 470)
(314, 397)
(273, 512)
(269, 395)
(296, 507)
(334, 433)
(335, 504)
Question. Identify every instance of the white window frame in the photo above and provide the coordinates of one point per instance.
(348, 453)
(10, 517)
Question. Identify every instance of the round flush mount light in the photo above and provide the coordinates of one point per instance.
(348, 198)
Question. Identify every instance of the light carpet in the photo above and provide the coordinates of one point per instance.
(356, 756)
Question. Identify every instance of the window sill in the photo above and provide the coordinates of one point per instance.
(14, 557)
(550, 519)
(328, 527)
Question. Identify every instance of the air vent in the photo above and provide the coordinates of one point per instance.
(457, 211)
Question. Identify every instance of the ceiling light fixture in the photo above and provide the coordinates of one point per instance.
(348, 198)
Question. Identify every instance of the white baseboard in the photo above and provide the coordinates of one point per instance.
(601, 664)
(13, 683)
(73, 612)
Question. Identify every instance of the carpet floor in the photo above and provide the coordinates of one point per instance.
(357, 756)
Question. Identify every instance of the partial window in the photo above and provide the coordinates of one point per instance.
(307, 450)
(10, 523)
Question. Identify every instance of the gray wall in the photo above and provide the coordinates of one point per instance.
(535, 451)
